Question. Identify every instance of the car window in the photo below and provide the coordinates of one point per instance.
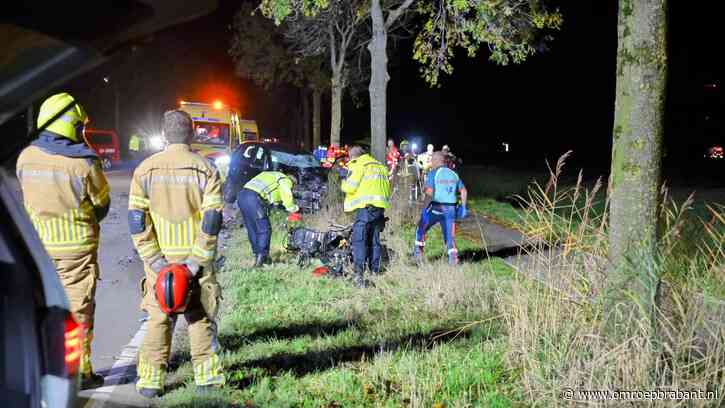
(294, 160)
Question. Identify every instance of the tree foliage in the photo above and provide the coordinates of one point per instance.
(334, 33)
(261, 54)
(512, 30)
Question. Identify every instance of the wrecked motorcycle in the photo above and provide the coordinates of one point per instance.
(332, 247)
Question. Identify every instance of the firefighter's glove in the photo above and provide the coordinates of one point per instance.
(461, 211)
(193, 266)
(158, 264)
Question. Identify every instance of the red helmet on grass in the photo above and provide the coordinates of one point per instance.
(173, 288)
(320, 271)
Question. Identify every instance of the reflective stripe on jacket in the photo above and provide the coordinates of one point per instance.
(62, 195)
(367, 184)
(275, 188)
(174, 188)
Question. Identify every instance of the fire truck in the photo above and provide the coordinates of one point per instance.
(218, 130)
(105, 144)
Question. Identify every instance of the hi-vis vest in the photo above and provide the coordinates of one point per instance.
(60, 195)
(134, 144)
(174, 188)
(366, 184)
(275, 188)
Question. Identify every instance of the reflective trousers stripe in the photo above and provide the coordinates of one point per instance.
(150, 376)
(209, 372)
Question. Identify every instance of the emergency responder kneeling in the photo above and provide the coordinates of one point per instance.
(174, 216)
(367, 192)
(66, 196)
(441, 186)
(266, 189)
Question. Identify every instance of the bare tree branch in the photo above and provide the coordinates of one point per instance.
(394, 14)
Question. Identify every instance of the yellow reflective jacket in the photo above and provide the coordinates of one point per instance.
(62, 196)
(174, 188)
(367, 183)
(275, 188)
(134, 144)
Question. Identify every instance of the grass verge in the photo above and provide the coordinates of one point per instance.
(423, 336)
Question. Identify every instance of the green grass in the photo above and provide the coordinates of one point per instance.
(435, 336)
(498, 211)
(293, 340)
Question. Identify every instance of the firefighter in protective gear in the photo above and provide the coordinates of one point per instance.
(266, 189)
(174, 216)
(442, 185)
(66, 196)
(367, 192)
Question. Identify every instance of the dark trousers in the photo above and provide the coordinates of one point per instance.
(366, 248)
(445, 215)
(254, 213)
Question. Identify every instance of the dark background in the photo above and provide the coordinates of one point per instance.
(560, 100)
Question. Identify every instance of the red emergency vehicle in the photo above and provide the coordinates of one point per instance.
(105, 144)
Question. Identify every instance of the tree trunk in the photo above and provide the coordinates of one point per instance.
(378, 81)
(305, 119)
(336, 121)
(316, 118)
(637, 144)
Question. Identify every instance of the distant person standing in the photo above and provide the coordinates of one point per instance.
(367, 193)
(392, 159)
(451, 160)
(442, 186)
(424, 159)
(136, 146)
(66, 196)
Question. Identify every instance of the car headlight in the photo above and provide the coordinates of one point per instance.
(222, 160)
(157, 142)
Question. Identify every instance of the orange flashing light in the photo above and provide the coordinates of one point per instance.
(218, 105)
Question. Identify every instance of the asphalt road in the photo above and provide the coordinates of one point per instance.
(118, 295)
(118, 317)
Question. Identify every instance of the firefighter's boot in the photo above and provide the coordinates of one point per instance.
(262, 260)
(89, 379)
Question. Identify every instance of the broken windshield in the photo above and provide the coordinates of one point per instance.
(294, 160)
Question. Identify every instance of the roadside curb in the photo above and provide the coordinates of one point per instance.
(122, 373)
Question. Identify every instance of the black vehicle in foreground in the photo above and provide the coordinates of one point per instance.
(252, 158)
(45, 44)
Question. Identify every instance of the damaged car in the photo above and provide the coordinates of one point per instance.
(252, 158)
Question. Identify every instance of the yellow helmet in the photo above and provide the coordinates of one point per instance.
(67, 125)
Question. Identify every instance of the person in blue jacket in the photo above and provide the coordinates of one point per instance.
(442, 187)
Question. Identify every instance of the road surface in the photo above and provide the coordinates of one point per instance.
(118, 318)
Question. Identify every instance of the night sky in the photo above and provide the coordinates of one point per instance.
(558, 100)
